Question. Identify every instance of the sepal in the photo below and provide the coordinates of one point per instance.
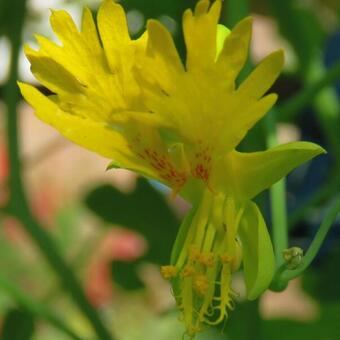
(258, 254)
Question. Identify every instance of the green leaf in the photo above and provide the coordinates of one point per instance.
(144, 210)
(322, 281)
(258, 255)
(18, 325)
(65, 232)
(245, 313)
(326, 326)
(125, 274)
(301, 28)
(154, 9)
(211, 334)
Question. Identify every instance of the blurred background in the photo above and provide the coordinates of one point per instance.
(80, 247)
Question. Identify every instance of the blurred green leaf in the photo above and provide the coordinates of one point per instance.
(125, 274)
(144, 210)
(244, 322)
(301, 28)
(164, 10)
(11, 12)
(155, 8)
(18, 325)
(326, 327)
(233, 11)
(212, 334)
(322, 282)
(65, 231)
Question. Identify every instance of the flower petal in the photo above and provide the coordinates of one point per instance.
(113, 29)
(263, 77)
(257, 171)
(95, 136)
(238, 125)
(222, 33)
(200, 34)
(258, 254)
(162, 46)
(121, 52)
(89, 30)
(235, 50)
(208, 95)
(53, 75)
(78, 54)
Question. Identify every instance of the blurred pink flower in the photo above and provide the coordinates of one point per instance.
(45, 202)
(4, 168)
(4, 171)
(118, 244)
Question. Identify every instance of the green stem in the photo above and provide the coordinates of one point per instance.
(11, 98)
(34, 308)
(277, 197)
(315, 246)
(18, 203)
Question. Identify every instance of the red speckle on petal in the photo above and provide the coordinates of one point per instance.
(160, 161)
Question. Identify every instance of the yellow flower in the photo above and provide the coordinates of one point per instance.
(133, 101)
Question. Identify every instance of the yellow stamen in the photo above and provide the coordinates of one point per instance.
(201, 284)
(188, 271)
(168, 272)
(207, 260)
(194, 254)
(225, 258)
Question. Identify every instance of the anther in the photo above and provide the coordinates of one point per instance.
(207, 260)
(188, 271)
(201, 284)
(168, 272)
(225, 258)
(194, 253)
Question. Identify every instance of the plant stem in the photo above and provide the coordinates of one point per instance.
(34, 308)
(277, 197)
(315, 246)
(18, 203)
